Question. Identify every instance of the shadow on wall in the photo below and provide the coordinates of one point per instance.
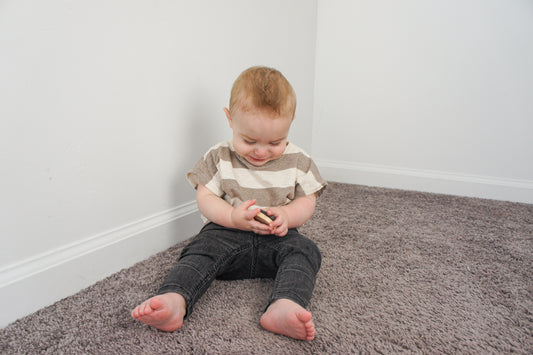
(203, 124)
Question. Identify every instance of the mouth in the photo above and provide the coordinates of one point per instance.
(256, 160)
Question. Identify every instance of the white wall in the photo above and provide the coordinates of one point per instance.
(426, 95)
(104, 106)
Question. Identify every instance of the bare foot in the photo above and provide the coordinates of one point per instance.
(164, 312)
(288, 318)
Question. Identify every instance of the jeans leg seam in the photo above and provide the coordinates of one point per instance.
(216, 267)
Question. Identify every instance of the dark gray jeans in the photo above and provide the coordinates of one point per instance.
(217, 252)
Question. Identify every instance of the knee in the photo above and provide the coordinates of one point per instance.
(310, 250)
(314, 254)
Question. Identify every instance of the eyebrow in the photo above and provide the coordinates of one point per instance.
(253, 139)
(247, 137)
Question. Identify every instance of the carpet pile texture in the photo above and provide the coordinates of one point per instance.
(402, 271)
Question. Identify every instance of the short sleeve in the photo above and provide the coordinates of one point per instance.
(308, 179)
(205, 172)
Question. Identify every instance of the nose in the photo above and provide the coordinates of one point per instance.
(261, 152)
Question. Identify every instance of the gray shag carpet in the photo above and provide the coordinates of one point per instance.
(402, 271)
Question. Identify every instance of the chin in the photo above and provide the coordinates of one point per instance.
(257, 162)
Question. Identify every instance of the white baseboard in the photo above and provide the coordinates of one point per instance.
(427, 181)
(34, 283)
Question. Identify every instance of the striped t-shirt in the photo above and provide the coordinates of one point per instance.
(276, 183)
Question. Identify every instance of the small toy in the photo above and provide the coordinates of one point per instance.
(263, 217)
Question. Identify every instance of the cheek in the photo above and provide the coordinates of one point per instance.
(278, 150)
(241, 147)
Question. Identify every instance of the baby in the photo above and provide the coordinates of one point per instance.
(257, 170)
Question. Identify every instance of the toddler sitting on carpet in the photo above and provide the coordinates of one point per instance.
(257, 169)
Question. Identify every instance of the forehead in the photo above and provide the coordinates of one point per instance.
(261, 124)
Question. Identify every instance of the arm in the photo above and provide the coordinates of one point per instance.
(220, 212)
(292, 215)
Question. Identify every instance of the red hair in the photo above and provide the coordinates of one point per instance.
(263, 88)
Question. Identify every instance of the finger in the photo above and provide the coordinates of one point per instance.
(267, 232)
(261, 228)
(281, 232)
(262, 232)
(250, 214)
(247, 204)
(276, 223)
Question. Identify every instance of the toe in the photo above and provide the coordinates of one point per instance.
(155, 303)
(304, 316)
(144, 309)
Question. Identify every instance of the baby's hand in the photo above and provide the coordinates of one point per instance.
(263, 217)
(280, 225)
(243, 218)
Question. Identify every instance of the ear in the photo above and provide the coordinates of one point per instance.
(228, 116)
